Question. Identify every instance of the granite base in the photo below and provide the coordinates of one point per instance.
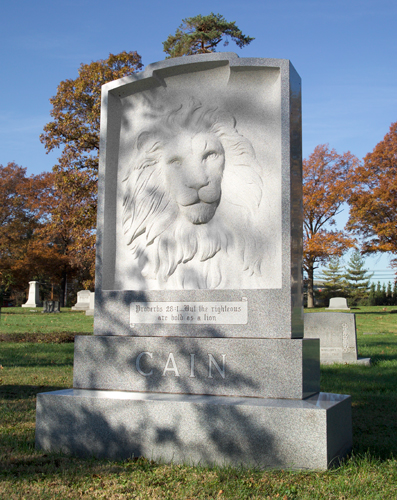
(267, 433)
(266, 368)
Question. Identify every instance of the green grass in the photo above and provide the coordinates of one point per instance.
(370, 473)
(23, 324)
(376, 319)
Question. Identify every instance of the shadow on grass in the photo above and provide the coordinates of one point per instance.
(40, 338)
(21, 392)
(35, 355)
(374, 403)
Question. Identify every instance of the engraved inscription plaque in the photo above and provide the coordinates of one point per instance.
(185, 313)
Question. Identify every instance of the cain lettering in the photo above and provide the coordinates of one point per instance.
(192, 375)
(212, 361)
(138, 363)
(172, 368)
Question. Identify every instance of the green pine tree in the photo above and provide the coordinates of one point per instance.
(357, 279)
(202, 34)
(395, 293)
(379, 298)
(333, 280)
(389, 294)
(384, 295)
(372, 295)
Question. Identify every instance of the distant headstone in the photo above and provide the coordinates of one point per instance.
(337, 334)
(90, 310)
(198, 352)
(51, 306)
(83, 301)
(338, 303)
(33, 297)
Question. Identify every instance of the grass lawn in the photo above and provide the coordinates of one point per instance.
(370, 473)
(30, 325)
(376, 319)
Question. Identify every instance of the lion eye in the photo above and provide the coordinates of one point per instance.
(175, 161)
(211, 155)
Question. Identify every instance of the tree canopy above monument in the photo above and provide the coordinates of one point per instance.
(202, 34)
(76, 109)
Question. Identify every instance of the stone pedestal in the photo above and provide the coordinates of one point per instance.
(303, 434)
(33, 297)
(266, 368)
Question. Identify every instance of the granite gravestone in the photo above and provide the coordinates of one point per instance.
(198, 352)
(338, 303)
(51, 306)
(91, 308)
(83, 301)
(33, 297)
(337, 334)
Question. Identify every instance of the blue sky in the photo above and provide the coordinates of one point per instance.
(344, 50)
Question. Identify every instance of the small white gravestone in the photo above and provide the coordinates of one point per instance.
(33, 298)
(90, 310)
(338, 303)
(337, 334)
(83, 301)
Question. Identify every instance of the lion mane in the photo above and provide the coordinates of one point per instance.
(224, 252)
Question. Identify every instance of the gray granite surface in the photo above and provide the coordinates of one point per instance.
(198, 295)
(337, 334)
(256, 99)
(271, 368)
(308, 434)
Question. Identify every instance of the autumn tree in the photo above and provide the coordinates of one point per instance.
(17, 223)
(36, 241)
(75, 130)
(326, 186)
(373, 202)
(76, 111)
(64, 244)
(202, 34)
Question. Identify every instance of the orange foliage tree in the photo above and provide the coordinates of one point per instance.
(373, 202)
(63, 247)
(327, 183)
(17, 220)
(40, 222)
(75, 129)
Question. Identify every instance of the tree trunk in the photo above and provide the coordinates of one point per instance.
(310, 290)
(63, 298)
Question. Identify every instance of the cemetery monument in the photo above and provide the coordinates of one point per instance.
(198, 353)
(83, 301)
(338, 303)
(33, 297)
(51, 306)
(338, 337)
(91, 308)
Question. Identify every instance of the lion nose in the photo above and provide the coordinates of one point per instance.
(196, 177)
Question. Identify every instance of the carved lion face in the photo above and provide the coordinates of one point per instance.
(193, 169)
(185, 169)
